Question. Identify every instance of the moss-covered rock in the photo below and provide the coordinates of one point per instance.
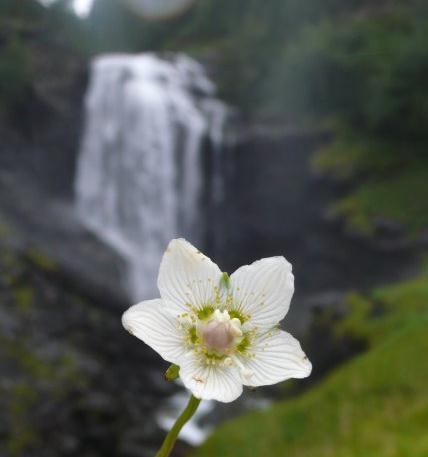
(73, 382)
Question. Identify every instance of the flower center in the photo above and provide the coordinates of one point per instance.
(221, 333)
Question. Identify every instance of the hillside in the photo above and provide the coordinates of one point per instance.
(376, 405)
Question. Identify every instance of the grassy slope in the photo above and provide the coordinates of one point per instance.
(374, 406)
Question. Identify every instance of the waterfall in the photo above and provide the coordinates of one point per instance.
(140, 179)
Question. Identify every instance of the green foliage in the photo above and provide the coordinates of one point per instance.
(391, 178)
(19, 11)
(62, 28)
(407, 306)
(350, 156)
(374, 406)
(402, 198)
(29, 34)
(366, 71)
(359, 309)
(363, 77)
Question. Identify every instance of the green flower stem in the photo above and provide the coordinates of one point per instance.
(171, 438)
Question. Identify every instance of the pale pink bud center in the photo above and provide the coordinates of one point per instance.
(218, 336)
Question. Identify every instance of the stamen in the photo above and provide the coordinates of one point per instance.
(246, 373)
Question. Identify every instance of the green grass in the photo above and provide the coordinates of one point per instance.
(376, 405)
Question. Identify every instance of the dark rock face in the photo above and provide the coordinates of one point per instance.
(38, 151)
(276, 205)
(33, 219)
(41, 139)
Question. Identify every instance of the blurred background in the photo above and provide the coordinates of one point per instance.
(252, 128)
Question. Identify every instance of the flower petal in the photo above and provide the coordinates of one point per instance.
(263, 290)
(210, 382)
(187, 277)
(277, 356)
(151, 322)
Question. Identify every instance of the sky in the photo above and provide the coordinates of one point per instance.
(154, 9)
(82, 7)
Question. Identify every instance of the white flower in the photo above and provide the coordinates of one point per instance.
(223, 333)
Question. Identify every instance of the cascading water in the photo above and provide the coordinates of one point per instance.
(139, 178)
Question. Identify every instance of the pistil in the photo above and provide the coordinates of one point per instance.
(221, 334)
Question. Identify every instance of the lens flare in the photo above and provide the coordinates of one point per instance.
(158, 9)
